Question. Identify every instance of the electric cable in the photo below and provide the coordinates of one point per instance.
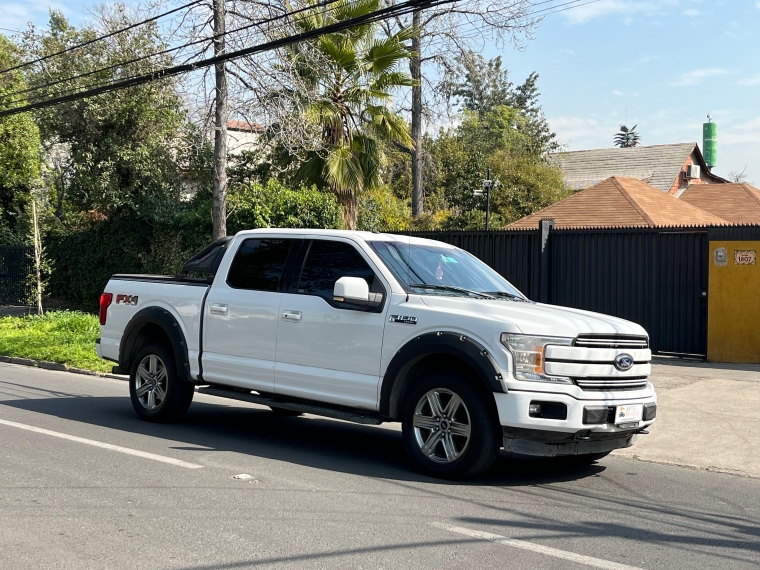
(103, 37)
(395, 10)
(164, 52)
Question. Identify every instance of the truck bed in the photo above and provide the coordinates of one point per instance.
(182, 297)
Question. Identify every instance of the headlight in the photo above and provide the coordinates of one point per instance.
(528, 353)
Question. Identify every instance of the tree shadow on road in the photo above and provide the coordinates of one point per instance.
(311, 441)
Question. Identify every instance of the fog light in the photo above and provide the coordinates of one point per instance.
(595, 414)
(548, 410)
(650, 411)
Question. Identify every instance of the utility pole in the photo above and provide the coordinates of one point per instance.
(219, 196)
(488, 184)
(415, 68)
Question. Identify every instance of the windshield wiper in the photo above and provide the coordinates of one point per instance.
(507, 295)
(451, 288)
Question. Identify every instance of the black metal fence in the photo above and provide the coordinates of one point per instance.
(653, 277)
(16, 271)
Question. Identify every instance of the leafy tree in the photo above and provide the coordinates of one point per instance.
(120, 148)
(502, 128)
(350, 78)
(19, 150)
(445, 33)
(482, 85)
(627, 138)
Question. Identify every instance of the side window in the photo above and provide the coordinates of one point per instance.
(328, 261)
(259, 263)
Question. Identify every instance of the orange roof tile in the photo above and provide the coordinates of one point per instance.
(737, 203)
(621, 203)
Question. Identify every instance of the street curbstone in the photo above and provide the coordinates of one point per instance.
(45, 365)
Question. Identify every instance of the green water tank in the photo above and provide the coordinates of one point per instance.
(710, 143)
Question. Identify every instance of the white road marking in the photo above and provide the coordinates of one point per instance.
(546, 550)
(110, 447)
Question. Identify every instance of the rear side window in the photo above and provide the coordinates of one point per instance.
(259, 263)
(328, 261)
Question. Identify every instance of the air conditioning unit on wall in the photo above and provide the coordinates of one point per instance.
(693, 171)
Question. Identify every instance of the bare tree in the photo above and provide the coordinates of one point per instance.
(445, 34)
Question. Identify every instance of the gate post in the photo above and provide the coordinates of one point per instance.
(546, 225)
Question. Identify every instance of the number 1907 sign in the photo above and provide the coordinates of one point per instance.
(745, 257)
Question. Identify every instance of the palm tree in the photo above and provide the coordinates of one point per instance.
(351, 76)
(627, 138)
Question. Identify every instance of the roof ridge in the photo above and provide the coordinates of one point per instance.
(632, 201)
(748, 189)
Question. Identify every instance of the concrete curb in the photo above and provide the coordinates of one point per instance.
(59, 367)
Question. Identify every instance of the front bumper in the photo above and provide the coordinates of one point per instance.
(555, 444)
(513, 408)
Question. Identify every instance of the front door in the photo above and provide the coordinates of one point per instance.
(327, 350)
(241, 316)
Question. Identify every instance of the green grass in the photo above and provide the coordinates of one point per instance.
(66, 337)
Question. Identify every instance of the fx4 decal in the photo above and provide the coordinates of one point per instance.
(126, 300)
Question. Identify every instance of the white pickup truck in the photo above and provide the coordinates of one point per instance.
(370, 328)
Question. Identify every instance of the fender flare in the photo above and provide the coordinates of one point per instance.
(456, 345)
(166, 322)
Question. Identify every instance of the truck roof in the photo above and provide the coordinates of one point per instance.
(356, 235)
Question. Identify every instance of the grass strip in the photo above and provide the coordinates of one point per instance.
(65, 337)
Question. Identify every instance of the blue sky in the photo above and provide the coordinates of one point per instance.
(666, 63)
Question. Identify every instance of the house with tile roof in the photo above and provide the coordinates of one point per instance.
(620, 202)
(736, 203)
(667, 167)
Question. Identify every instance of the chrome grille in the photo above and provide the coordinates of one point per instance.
(611, 341)
(609, 384)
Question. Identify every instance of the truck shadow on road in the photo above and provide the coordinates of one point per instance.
(310, 441)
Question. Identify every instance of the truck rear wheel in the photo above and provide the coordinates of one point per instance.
(156, 392)
(449, 428)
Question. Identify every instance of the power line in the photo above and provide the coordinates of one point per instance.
(395, 10)
(106, 36)
(325, 3)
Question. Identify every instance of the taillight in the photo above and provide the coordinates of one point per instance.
(105, 302)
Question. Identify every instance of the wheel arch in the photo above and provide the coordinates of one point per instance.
(429, 351)
(155, 324)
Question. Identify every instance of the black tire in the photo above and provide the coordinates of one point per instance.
(470, 456)
(284, 413)
(177, 394)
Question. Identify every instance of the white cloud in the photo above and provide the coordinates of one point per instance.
(696, 76)
(628, 8)
(618, 93)
(748, 132)
(755, 80)
(691, 12)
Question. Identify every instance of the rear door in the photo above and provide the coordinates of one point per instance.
(241, 315)
(326, 350)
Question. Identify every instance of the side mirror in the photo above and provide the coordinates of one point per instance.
(355, 291)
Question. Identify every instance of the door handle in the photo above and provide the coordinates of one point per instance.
(218, 309)
(292, 316)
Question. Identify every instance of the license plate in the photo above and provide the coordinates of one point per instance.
(628, 414)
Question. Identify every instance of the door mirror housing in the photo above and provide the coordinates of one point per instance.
(355, 291)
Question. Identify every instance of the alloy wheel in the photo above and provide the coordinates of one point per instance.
(441, 425)
(150, 382)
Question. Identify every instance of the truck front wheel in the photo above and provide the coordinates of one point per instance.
(156, 392)
(448, 426)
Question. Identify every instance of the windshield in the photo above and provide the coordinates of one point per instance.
(438, 270)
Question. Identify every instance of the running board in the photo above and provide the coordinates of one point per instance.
(315, 409)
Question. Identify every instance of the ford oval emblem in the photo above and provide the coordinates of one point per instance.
(624, 362)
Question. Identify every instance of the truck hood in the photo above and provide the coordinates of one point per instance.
(535, 318)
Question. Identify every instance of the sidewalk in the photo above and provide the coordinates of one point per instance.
(708, 417)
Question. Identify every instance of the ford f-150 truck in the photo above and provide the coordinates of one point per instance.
(374, 328)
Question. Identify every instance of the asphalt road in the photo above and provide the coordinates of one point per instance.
(85, 484)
